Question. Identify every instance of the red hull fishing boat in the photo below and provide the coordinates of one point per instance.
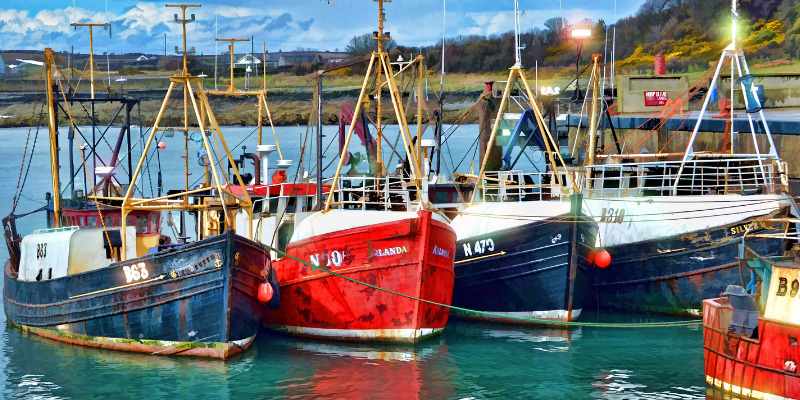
(750, 353)
(411, 254)
(376, 229)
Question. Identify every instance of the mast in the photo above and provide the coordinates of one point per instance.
(91, 48)
(209, 131)
(378, 94)
(751, 103)
(590, 153)
(379, 63)
(51, 117)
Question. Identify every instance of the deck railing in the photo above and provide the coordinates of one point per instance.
(715, 176)
(515, 185)
(370, 193)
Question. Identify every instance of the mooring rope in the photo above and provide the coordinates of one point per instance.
(693, 322)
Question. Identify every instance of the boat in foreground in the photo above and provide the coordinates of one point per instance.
(199, 299)
(377, 229)
(748, 352)
(410, 253)
(105, 276)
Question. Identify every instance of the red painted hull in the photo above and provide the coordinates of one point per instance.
(757, 368)
(411, 256)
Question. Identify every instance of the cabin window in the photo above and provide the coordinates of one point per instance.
(141, 223)
(291, 205)
(92, 221)
(108, 221)
(441, 197)
(273, 205)
(154, 220)
(130, 221)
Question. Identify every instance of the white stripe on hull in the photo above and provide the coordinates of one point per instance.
(382, 335)
(653, 218)
(749, 393)
(560, 315)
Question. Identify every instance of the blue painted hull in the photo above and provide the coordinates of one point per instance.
(674, 275)
(198, 299)
(525, 272)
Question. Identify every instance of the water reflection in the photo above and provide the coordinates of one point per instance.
(471, 360)
(363, 370)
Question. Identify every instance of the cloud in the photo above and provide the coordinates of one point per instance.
(285, 24)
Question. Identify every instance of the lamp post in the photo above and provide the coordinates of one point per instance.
(579, 35)
(202, 77)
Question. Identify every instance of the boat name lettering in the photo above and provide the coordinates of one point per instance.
(41, 250)
(612, 215)
(390, 251)
(481, 246)
(783, 286)
(441, 252)
(135, 272)
(335, 258)
(743, 228)
(555, 238)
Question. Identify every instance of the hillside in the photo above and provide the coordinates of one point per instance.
(690, 33)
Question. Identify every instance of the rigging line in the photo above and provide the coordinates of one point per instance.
(83, 159)
(506, 316)
(466, 153)
(568, 218)
(455, 127)
(42, 208)
(36, 201)
(700, 82)
(28, 170)
(30, 128)
(297, 173)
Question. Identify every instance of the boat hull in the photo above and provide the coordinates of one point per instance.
(525, 271)
(674, 274)
(755, 368)
(195, 300)
(413, 257)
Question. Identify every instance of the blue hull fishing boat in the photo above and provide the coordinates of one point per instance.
(524, 249)
(196, 300)
(104, 276)
(533, 269)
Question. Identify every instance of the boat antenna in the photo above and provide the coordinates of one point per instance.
(216, 51)
(517, 48)
(105, 26)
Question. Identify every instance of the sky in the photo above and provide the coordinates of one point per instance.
(139, 26)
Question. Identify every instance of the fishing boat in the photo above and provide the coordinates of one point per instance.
(377, 229)
(524, 248)
(671, 221)
(94, 280)
(750, 342)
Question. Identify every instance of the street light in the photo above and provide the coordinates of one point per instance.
(247, 78)
(202, 77)
(579, 35)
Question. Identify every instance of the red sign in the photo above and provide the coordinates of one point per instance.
(656, 98)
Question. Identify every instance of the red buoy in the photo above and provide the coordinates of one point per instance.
(265, 292)
(590, 257)
(162, 145)
(602, 259)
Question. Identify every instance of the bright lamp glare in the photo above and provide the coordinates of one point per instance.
(581, 33)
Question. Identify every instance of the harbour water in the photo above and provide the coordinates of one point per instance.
(470, 360)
